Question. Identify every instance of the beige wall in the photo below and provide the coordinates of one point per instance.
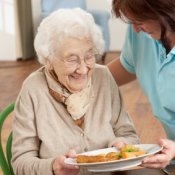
(7, 31)
(36, 12)
(117, 28)
(8, 42)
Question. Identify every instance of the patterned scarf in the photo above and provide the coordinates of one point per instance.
(76, 103)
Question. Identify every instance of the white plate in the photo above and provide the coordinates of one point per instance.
(117, 165)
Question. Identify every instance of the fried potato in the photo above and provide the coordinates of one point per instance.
(128, 151)
(91, 159)
(112, 156)
(98, 158)
(129, 148)
(126, 155)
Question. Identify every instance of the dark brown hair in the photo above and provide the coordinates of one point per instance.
(161, 10)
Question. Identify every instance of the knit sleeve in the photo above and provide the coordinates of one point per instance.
(26, 144)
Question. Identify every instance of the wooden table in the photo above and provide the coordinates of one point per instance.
(141, 171)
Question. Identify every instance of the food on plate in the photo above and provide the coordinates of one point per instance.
(128, 151)
(98, 158)
(112, 156)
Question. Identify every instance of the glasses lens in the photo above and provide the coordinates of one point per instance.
(89, 59)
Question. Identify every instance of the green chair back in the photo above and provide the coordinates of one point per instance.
(5, 156)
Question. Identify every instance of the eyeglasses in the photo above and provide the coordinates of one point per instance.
(73, 61)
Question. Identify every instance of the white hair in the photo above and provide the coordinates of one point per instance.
(65, 23)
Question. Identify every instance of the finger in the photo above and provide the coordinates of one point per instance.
(70, 172)
(164, 143)
(71, 167)
(119, 145)
(156, 158)
(71, 153)
(154, 165)
(156, 161)
(67, 166)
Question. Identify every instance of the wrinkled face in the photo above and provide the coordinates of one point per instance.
(74, 64)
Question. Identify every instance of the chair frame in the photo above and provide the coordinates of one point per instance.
(5, 156)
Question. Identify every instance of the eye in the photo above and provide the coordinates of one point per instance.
(90, 54)
(136, 22)
(72, 59)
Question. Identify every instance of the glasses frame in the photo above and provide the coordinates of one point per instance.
(78, 61)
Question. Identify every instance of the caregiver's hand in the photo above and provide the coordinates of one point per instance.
(61, 168)
(163, 158)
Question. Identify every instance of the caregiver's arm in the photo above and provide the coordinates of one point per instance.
(120, 74)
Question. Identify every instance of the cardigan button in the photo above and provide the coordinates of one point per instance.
(85, 149)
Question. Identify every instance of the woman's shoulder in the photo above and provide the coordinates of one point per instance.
(36, 78)
(103, 80)
(100, 70)
(101, 74)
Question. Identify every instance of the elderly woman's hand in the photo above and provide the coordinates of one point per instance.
(60, 168)
(162, 159)
(119, 145)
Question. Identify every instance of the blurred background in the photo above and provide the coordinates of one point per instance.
(19, 20)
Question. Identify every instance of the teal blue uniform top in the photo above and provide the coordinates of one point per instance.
(155, 72)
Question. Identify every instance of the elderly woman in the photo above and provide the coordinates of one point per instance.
(70, 102)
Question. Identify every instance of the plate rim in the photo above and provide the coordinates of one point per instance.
(114, 161)
(115, 169)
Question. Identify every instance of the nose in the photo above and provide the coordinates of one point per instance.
(136, 27)
(82, 67)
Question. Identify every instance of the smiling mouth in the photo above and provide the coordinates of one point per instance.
(78, 77)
